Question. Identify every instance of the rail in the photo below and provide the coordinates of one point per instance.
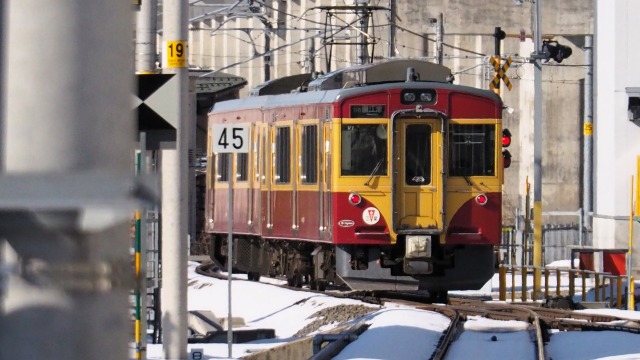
(605, 285)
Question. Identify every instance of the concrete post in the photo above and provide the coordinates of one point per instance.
(537, 152)
(363, 37)
(587, 171)
(66, 141)
(392, 28)
(174, 173)
(146, 26)
(440, 39)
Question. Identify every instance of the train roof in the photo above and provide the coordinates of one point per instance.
(352, 81)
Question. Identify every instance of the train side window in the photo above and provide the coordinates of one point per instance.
(283, 155)
(309, 145)
(472, 150)
(242, 166)
(223, 167)
(263, 162)
(363, 147)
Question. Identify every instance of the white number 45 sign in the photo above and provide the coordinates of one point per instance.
(230, 139)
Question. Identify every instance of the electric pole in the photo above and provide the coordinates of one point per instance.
(174, 173)
(537, 151)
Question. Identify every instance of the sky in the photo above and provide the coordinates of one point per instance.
(395, 331)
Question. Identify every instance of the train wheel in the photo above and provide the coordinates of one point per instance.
(440, 296)
(295, 280)
(322, 284)
(253, 276)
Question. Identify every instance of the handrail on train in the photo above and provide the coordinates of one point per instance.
(613, 292)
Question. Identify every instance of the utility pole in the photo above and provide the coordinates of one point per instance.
(392, 28)
(174, 172)
(363, 26)
(439, 39)
(311, 54)
(267, 58)
(537, 151)
(498, 35)
(146, 26)
(587, 177)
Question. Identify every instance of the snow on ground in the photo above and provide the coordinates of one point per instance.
(387, 338)
(395, 332)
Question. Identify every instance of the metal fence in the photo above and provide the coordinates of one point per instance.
(516, 247)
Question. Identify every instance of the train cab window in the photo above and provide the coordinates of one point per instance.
(309, 155)
(223, 167)
(418, 154)
(242, 166)
(364, 149)
(472, 150)
(283, 155)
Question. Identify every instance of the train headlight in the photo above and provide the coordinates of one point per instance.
(482, 199)
(409, 97)
(426, 97)
(355, 199)
(418, 246)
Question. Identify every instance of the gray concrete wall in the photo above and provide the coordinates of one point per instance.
(468, 43)
(616, 138)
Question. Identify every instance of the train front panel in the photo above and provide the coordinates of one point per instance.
(416, 184)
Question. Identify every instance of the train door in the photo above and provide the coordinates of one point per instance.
(418, 176)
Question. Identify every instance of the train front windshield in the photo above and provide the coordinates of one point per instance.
(472, 150)
(364, 149)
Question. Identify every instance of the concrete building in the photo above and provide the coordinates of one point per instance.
(617, 121)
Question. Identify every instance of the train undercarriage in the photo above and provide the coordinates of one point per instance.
(358, 267)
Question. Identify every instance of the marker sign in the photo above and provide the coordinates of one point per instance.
(176, 54)
(230, 139)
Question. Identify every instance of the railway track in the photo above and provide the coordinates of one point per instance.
(531, 324)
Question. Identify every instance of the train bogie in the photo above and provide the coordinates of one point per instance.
(394, 182)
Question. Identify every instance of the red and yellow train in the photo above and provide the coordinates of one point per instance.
(377, 176)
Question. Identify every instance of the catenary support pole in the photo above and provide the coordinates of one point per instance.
(146, 26)
(587, 177)
(392, 28)
(440, 39)
(363, 38)
(174, 172)
(537, 152)
(66, 142)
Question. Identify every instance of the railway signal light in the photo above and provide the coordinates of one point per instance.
(555, 51)
(506, 141)
(506, 158)
(506, 138)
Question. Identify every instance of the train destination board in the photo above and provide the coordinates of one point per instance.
(367, 111)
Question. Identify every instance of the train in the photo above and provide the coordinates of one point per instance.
(377, 176)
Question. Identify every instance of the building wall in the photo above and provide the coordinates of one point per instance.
(616, 138)
(237, 46)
